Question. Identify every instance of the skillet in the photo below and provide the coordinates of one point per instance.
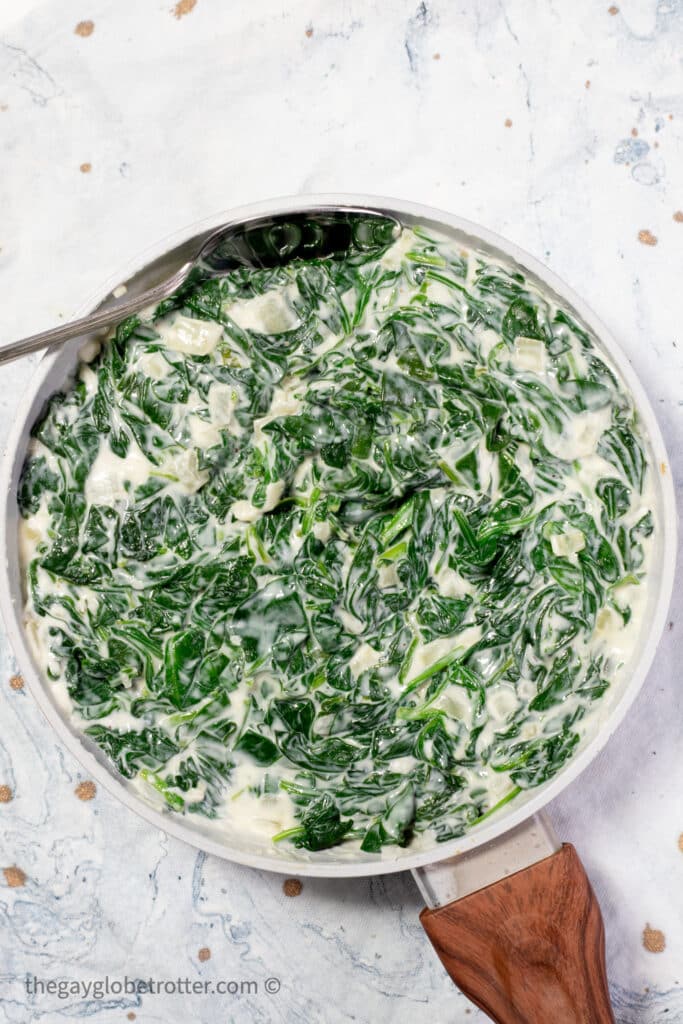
(510, 912)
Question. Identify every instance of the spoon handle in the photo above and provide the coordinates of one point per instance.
(113, 313)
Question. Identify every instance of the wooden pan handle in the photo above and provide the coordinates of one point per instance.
(529, 949)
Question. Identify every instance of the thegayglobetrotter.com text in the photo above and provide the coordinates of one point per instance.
(101, 988)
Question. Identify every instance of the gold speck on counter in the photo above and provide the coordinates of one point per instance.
(183, 7)
(14, 877)
(85, 790)
(653, 940)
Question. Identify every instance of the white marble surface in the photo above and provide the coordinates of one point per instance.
(241, 101)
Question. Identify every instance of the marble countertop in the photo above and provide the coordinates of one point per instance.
(557, 125)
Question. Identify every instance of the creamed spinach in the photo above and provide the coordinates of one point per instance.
(354, 544)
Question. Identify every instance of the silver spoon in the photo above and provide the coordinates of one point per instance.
(265, 241)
